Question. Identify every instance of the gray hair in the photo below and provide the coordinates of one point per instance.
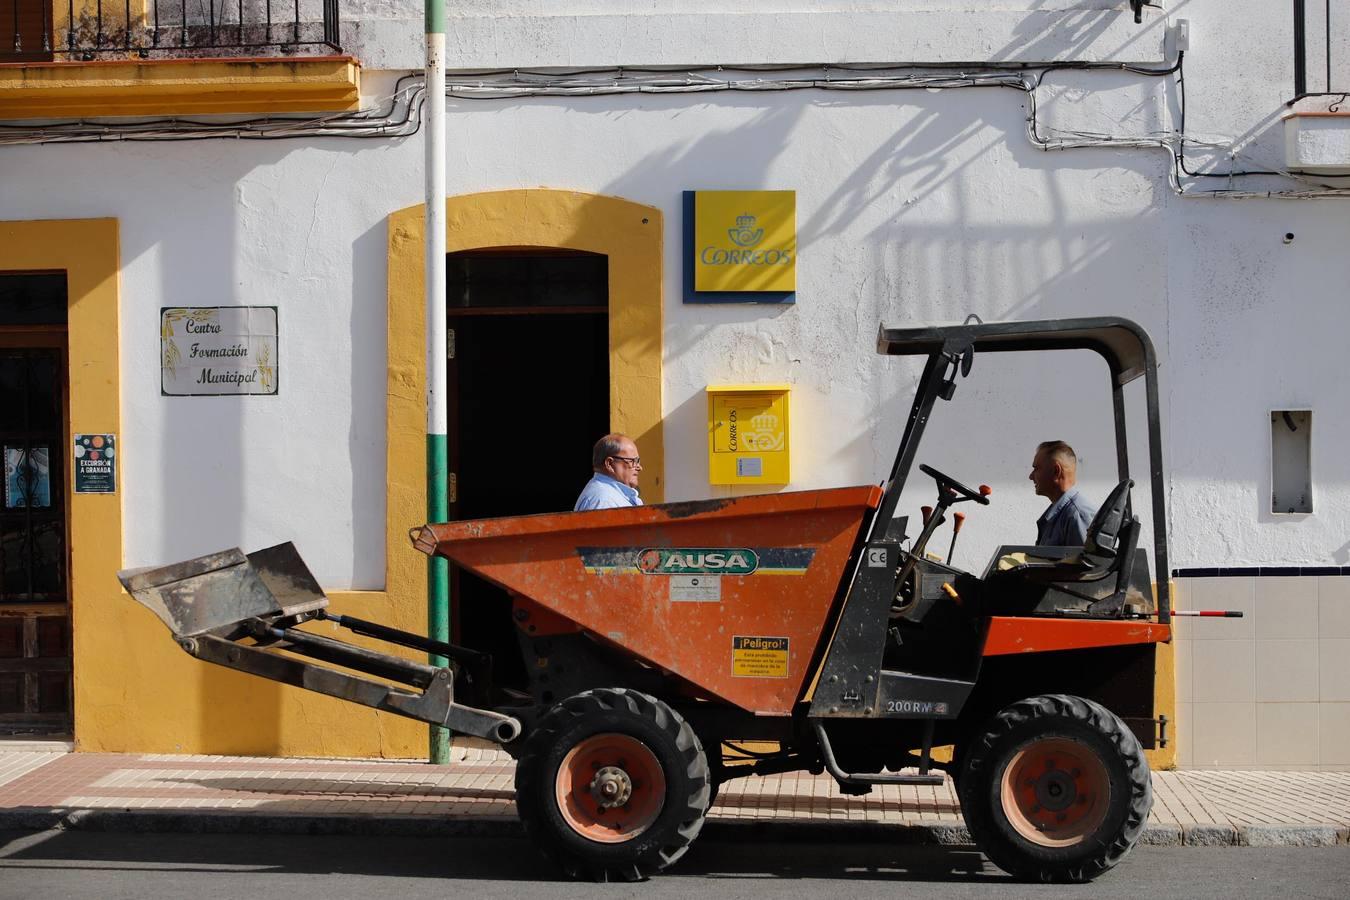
(607, 446)
(1060, 451)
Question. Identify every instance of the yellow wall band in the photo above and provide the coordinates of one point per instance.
(178, 86)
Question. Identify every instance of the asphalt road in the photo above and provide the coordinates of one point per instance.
(56, 864)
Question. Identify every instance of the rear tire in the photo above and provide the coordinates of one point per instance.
(612, 785)
(1056, 790)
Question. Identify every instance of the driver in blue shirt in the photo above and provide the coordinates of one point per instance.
(616, 466)
(1054, 471)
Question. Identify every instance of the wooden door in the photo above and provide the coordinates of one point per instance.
(35, 658)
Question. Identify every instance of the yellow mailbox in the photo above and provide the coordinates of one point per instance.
(748, 434)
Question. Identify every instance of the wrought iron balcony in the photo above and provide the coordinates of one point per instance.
(42, 30)
(1321, 48)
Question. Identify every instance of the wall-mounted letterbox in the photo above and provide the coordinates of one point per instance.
(748, 434)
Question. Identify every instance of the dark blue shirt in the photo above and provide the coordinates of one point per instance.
(1065, 523)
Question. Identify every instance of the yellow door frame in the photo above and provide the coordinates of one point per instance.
(87, 251)
(628, 233)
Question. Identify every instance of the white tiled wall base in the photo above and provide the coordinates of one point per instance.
(1270, 690)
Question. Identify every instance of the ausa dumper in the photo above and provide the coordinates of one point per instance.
(671, 648)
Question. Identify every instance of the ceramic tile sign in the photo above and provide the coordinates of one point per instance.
(213, 351)
(95, 463)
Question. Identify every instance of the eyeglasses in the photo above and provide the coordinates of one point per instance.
(631, 460)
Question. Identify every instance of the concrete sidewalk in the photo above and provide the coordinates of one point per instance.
(47, 788)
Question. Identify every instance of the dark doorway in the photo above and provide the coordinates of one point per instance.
(528, 392)
(35, 663)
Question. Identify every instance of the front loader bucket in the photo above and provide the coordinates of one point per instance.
(219, 590)
(244, 612)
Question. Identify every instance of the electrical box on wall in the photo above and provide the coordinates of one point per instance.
(748, 434)
(1291, 488)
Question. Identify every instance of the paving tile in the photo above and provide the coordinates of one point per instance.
(1220, 801)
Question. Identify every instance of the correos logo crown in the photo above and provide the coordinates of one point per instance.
(745, 235)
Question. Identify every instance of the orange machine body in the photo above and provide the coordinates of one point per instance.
(731, 595)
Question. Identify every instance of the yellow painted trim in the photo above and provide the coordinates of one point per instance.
(747, 388)
(1165, 696)
(87, 250)
(134, 690)
(628, 233)
(178, 87)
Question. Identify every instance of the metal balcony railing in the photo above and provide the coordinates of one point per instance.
(1321, 48)
(158, 29)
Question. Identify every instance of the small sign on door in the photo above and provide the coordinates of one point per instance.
(95, 457)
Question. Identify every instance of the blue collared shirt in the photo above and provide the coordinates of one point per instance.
(603, 492)
(1065, 523)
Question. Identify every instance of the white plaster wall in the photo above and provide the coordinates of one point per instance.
(526, 33)
(913, 207)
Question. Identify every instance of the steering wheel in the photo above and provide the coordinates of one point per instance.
(946, 482)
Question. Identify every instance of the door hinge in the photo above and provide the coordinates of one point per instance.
(449, 343)
(452, 488)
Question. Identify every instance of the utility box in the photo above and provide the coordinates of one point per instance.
(748, 434)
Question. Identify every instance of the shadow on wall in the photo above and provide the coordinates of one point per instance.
(953, 212)
(206, 464)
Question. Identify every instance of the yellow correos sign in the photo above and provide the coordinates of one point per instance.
(748, 430)
(745, 241)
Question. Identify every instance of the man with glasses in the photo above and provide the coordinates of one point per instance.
(616, 465)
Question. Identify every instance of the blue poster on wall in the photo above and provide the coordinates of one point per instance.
(95, 464)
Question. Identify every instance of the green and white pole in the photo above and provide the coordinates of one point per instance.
(438, 501)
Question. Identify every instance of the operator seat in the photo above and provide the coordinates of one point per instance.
(1110, 542)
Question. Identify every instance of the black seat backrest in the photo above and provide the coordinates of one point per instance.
(1109, 524)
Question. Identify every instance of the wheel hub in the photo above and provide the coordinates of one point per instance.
(611, 787)
(1055, 790)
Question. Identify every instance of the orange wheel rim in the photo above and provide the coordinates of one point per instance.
(610, 788)
(1055, 792)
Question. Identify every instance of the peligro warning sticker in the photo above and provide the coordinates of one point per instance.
(759, 657)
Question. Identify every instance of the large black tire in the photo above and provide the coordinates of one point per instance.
(635, 741)
(1056, 789)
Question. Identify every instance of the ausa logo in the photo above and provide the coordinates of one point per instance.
(697, 561)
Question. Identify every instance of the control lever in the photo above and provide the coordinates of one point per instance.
(958, 519)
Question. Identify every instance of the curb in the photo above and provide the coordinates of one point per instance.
(1291, 836)
(184, 822)
(189, 822)
(737, 830)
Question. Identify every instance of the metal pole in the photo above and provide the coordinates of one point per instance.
(438, 507)
(1300, 50)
